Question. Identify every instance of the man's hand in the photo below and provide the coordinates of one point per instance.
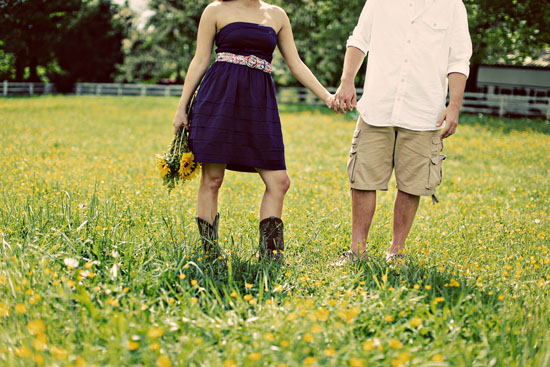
(450, 115)
(345, 97)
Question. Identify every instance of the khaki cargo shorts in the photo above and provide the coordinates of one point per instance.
(415, 155)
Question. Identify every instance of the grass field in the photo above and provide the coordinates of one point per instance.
(100, 267)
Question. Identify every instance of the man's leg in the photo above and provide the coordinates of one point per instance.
(404, 212)
(363, 205)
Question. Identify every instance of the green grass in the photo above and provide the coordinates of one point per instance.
(78, 182)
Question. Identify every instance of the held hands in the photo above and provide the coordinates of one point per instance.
(180, 120)
(345, 98)
(450, 115)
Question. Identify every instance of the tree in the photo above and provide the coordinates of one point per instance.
(29, 30)
(75, 39)
(506, 32)
(91, 46)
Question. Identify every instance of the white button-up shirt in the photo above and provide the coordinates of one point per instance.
(412, 46)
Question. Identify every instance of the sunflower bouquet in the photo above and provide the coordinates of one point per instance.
(178, 164)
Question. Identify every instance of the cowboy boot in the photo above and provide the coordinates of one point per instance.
(272, 244)
(209, 236)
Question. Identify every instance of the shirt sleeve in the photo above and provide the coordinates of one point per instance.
(360, 38)
(460, 50)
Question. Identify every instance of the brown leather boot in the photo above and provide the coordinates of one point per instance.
(272, 243)
(209, 236)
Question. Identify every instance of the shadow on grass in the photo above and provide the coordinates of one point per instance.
(240, 274)
(462, 298)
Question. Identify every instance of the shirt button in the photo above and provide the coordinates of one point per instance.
(406, 61)
(409, 41)
(412, 22)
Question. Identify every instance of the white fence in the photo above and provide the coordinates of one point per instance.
(502, 105)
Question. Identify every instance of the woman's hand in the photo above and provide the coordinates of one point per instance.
(180, 120)
(329, 102)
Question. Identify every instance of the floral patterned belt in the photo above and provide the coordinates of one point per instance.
(253, 62)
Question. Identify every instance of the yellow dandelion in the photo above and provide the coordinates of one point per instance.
(388, 318)
(285, 343)
(80, 362)
(438, 358)
(233, 294)
(329, 352)
(163, 361)
(194, 282)
(36, 327)
(308, 337)
(416, 322)
(269, 337)
(38, 359)
(249, 285)
(248, 297)
(59, 353)
(310, 361)
(369, 345)
(229, 363)
(20, 308)
(40, 342)
(155, 332)
(4, 310)
(316, 329)
(132, 345)
(182, 276)
(254, 356)
(22, 351)
(356, 362)
(154, 346)
(395, 344)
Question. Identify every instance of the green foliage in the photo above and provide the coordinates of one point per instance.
(75, 40)
(92, 246)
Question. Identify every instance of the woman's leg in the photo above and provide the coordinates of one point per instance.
(277, 184)
(207, 198)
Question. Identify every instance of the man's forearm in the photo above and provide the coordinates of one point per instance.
(352, 62)
(457, 84)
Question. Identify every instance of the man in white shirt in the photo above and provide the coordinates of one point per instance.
(417, 49)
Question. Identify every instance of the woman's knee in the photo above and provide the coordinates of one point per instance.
(212, 181)
(281, 184)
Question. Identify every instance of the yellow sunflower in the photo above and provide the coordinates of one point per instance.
(162, 166)
(186, 164)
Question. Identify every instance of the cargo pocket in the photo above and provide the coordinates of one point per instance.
(353, 155)
(435, 171)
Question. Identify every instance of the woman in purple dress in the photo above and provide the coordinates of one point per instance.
(235, 121)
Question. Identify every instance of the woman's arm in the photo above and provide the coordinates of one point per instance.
(199, 64)
(296, 65)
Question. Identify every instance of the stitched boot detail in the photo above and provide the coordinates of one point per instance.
(272, 245)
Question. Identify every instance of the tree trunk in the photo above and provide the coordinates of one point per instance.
(19, 68)
(471, 83)
(34, 74)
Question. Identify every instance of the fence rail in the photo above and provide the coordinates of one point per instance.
(501, 105)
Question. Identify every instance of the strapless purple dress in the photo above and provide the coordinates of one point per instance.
(235, 119)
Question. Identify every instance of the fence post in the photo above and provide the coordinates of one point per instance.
(143, 91)
(167, 91)
(548, 111)
(78, 89)
(501, 109)
(31, 89)
(119, 90)
(5, 88)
